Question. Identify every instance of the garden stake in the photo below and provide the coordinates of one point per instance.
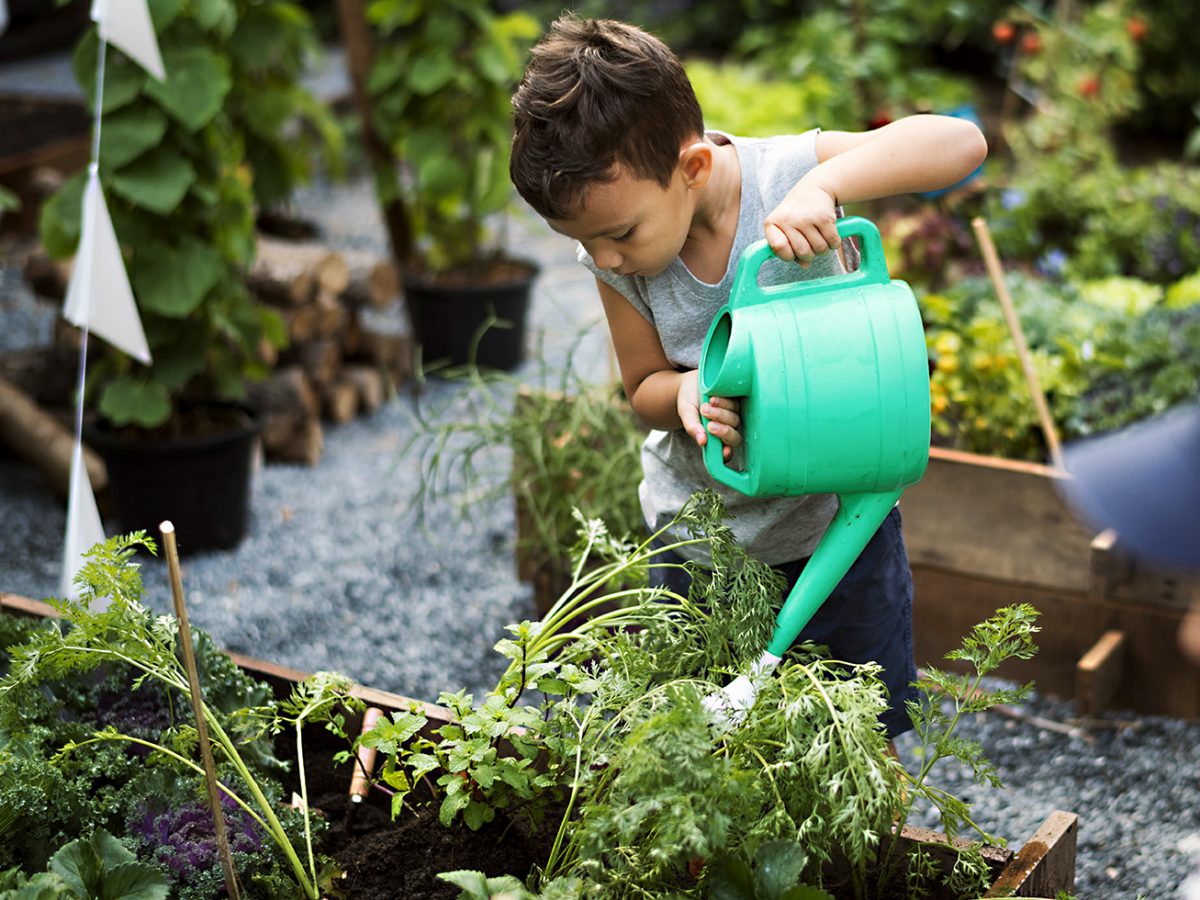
(833, 376)
(364, 765)
(996, 273)
(189, 660)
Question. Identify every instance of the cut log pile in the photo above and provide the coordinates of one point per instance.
(348, 340)
(347, 344)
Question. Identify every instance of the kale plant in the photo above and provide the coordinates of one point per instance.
(126, 636)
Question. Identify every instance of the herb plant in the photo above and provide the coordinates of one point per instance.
(622, 750)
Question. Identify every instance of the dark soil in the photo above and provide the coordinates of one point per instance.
(383, 859)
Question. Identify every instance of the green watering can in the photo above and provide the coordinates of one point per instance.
(833, 376)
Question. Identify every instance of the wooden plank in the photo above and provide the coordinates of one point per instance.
(1098, 673)
(1005, 520)
(1046, 864)
(1157, 678)
(1110, 566)
(278, 676)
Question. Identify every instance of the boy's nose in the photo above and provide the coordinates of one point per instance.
(607, 259)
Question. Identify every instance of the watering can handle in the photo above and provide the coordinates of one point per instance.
(872, 269)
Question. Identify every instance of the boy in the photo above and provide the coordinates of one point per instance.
(610, 148)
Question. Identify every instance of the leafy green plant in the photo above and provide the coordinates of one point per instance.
(1107, 353)
(172, 165)
(644, 779)
(126, 634)
(285, 127)
(1069, 195)
(441, 85)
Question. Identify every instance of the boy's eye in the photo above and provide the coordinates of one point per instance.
(626, 236)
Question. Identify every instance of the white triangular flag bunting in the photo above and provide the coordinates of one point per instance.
(126, 24)
(84, 528)
(99, 296)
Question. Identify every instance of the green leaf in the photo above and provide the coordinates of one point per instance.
(61, 216)
(129, 133)
(806, 892)
(454, 802)
(9, 202)
(134, 880)
(129, 400)
(473, 884)
(431, 71)
(123, 78)
(477, 815)
(173, 281)
(198, 81)
(777, 867)
(729, 878)
(158, 182)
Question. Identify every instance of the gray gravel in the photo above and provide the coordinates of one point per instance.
(335, 574)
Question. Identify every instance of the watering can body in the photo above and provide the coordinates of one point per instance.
(833, 379)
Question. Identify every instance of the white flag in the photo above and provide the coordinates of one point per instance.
(126, 24)
(99, 295)
(84, 528)
(3, 16)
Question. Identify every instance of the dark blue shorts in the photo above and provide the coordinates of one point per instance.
(867, 618)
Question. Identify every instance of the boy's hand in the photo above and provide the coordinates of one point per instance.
(804, 225)
(722, 413)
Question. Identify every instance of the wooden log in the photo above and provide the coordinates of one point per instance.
(320, 358)
(41, 440)
(291, 416)
(368, 385)
(1098, 673)
(1045, 866)
(339, 401)
(289, 273)
(390, 352)
(374, 281)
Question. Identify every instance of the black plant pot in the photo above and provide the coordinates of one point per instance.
(201, 484)
(464, 324)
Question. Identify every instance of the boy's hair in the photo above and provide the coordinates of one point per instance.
(598, 93)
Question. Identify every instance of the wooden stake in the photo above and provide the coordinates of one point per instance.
(996, 274)
(189, 660)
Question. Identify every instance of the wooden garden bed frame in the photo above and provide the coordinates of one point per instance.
(984, 532)
(1044, 866)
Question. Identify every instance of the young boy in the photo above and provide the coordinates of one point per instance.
(610, 148)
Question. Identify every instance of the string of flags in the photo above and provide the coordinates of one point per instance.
(99, 298)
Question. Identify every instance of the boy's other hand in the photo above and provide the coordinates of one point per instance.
(723, 414)
(804, 225)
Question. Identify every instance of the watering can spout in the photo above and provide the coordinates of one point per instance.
(856, 521)
(727, 366)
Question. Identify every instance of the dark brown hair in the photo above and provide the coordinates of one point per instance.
(598, 93)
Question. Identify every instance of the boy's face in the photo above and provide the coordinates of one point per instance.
(633, 226)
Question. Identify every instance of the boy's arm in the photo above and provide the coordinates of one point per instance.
(913, 154)
(662, 396)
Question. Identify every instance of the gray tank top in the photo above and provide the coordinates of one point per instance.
(681, 307)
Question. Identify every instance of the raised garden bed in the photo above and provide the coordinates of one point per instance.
(983, 531)
(366, 844)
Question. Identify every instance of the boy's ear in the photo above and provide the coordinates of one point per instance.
(696, 163)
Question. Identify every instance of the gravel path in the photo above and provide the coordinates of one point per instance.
(334, 574)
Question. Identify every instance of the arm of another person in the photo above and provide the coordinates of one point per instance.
(913, 154)
(662, 396)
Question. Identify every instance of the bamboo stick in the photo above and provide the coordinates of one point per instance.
(189, 659)
(996, 274)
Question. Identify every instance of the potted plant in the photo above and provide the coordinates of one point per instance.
(440, 87)
(173, 164)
